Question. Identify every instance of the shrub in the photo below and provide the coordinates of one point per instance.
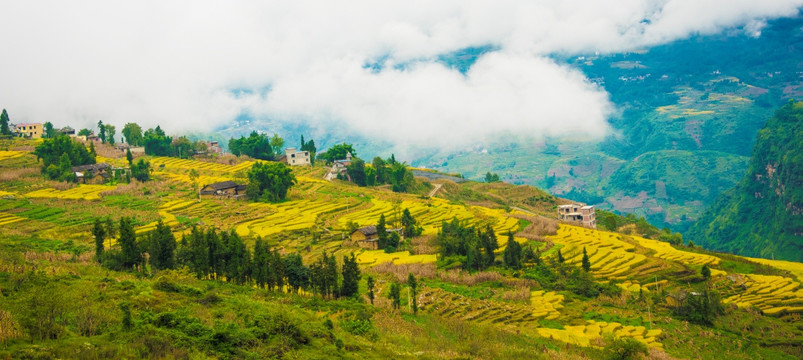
(624, 348)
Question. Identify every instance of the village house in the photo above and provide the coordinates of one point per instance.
(578, 213)
(224, 189)
(294, 157)
(93, 173)
(67, 131)
(339, 167)
(32, 130)
(367, 237)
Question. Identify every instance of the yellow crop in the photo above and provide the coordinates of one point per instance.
(81, 192)
(375, 257)
(546, 304)
(288, 216)
(770, 293)
(10, 154)
(609, 256)
(795, 268)
(582, 335)
(664, 250)
(6, 218)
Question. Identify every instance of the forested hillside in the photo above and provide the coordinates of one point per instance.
(763, 215)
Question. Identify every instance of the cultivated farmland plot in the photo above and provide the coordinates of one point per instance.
(546, 304)
(80, 192)
(583, 335)
(610, 257)
(774, 295)
(11, 154)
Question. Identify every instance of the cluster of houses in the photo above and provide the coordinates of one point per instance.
(339, 168)
(578, 213)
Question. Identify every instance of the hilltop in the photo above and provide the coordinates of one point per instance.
(638, 294)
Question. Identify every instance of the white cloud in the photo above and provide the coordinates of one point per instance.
(175, 63)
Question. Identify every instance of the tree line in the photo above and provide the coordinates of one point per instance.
(223, 255)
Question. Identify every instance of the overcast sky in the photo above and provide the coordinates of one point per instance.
(197, 65)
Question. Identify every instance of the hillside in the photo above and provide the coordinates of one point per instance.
(693, 107)
(636, 296)
(763, 215)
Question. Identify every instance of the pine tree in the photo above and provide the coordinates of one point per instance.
(512, 254)
(705, 272)
(4, 129)
(351, 276)
(101, 131)
(395, 295)
(381, 233)
(413, 284)
(131, 256)
(99, 232)
(560, 257)
(586, 263)
(369, 283)
(129, 157)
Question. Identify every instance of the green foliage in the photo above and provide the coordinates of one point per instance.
(133, 134)
(111, 130)
(472, 246)
(624, 348)
(309, 146)
(141, 170)
(513, 253)
(413, 284)
(701, 307)
(369, 284)
(101, 131)
(48, 131)
(99, 232)
(491, 178)
(61, 153)
(586, 264)
(351, 277)
(394, 294)
(337, 152)
(409, 225)
(4, 120)
(754, 218)
(269, 181)
(157, 143)
(84, 132)
(162, 247)
(705, 272)
(356, 171)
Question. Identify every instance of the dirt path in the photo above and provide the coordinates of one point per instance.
(435, 190)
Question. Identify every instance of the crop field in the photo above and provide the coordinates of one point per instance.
(431, 214)
(451, 305)
(6, 218)
(664, 250)
(634, 286)
(80, 192)
(175, 163)
(6, 193)
(774, 295)
(288, 216)
(610, 257)
(11, 154)
(202, 179)
(583, 335)
(793, 267)
(546, 304)
(376, 257)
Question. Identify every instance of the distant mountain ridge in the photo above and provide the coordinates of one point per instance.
(763, 215)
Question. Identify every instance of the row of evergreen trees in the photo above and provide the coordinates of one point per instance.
(221, 255)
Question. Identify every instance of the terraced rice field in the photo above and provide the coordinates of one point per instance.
(10, 154)
(175, 163)
(431, 214)
(634, 286)
(81, 192)
(288, 216)
(376, 257)
(583, 335)
(610, 257)
(202, 179)
(6, 193)
(665, 251)
(6, 218)
(546, 304)
(795, 268)
(774, 295)
(447, 304)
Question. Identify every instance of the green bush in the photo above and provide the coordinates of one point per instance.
(624, 348)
